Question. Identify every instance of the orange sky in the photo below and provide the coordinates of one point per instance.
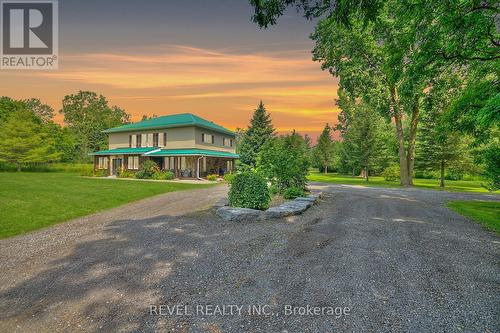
(204, 57)
(220, 85)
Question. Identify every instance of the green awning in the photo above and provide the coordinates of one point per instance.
(192, 152)
(126, 151)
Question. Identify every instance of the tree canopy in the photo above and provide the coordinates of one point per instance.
(86, 115)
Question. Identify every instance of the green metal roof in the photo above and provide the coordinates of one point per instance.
(174, 120)
(193, 152)
(126, 151)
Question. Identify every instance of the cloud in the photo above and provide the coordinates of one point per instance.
(222, 85)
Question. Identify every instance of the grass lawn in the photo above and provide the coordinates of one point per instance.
(30, 201)
(432, 184)
(486, 213)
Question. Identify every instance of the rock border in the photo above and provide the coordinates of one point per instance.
(293, 207)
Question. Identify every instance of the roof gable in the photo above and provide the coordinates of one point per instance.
(170, 121)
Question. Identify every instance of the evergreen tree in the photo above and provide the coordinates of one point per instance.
(361, 138)
(438, 145)
(258, 133)
(24, 140)
(323, 152)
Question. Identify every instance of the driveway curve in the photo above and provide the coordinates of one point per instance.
(392, 260)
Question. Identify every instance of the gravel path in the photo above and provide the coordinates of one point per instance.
(386, 260)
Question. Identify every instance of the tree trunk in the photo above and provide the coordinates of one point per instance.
(18, 165)
(326, 169)
(366, 173)
(411, 139)
(353, 173)
(441, 181)
(403, 162)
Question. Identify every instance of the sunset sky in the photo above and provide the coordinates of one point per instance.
(204, 57)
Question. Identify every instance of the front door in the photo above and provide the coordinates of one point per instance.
(158, 161)
(117, 165)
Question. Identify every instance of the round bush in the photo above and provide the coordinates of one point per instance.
(249, 190)
(391, 173)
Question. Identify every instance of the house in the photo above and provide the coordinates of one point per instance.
(186, 144)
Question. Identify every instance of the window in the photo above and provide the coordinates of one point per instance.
(102, 162)
(228, 142)
(164, 139)
(155, 139)
(139, 140)
(207, 138)
(133, 162)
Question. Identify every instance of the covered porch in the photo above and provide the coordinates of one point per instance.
(194, 163)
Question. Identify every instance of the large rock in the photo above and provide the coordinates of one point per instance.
(286, 209)
(235, 214)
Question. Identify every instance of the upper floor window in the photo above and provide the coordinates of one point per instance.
(228, 142)
(155, 139)
(139, 140)
(207, 138)
(164, 139)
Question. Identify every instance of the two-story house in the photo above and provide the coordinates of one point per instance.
(186, 144)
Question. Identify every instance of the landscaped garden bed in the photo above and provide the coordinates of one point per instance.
(288, 208)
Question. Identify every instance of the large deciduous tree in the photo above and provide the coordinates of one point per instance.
(390, 52)
(87, 114)
(24, 140)
(258, 133)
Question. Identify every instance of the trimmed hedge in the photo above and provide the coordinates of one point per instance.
(249, 190)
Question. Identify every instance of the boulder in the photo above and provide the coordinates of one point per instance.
(286, 209)
(236, 214)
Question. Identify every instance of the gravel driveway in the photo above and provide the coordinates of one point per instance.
(369, 259)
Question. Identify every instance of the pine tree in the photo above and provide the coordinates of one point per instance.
(323, 152)
(361, 138)
(437, 146)
(258, 133)
(24, 140)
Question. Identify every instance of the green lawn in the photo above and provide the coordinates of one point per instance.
(432, 184)
(486, 213)
(30, 201)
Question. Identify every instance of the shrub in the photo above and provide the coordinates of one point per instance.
(228, 177)
(391, 173)
(163, 175)
(212, 177)
(273, 189)
(148, 169)
(101, 173)
(284, 162)
(293, 192)
(125, 174)
(249, 190)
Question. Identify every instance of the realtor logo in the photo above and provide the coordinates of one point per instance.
(29, 32)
